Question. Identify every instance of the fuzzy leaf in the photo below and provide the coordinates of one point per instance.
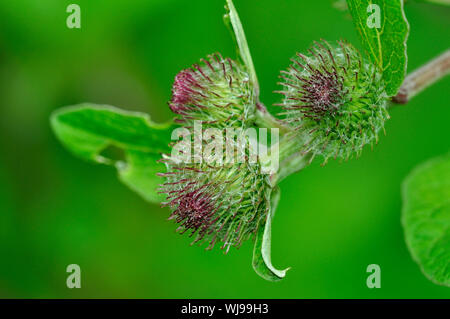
(426, 218)
(88, 130)
(262, 263)
(385, 43)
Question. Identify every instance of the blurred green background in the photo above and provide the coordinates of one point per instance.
(56, 210)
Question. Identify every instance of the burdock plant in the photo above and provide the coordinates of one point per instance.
(216, 92)
(225, 203)
(335, 100)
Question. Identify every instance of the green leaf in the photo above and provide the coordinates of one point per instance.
(385, 43)
(426, 218)
(262, 263)
(231, 18)
(89, 130)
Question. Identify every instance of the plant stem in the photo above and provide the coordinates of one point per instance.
(293, 164)
(290, 159)
(423, 77)
(267, 120)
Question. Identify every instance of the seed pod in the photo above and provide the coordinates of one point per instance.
(216, 92)
(216, 203)
(334, 99)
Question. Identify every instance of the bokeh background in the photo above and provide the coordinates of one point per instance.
(56, 210)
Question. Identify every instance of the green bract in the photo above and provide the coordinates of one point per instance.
(334, 99)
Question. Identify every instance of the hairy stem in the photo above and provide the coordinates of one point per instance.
(290, 159)
(293, 164)
(267, 120)
(423, 77)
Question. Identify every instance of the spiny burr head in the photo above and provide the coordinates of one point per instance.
(335, 101)
(216, 92)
